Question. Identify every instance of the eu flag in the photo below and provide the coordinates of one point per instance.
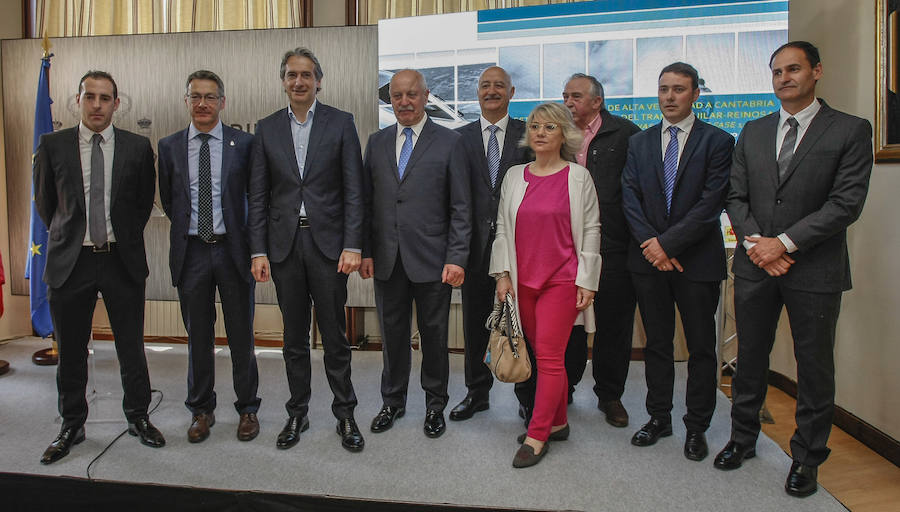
(37, 253)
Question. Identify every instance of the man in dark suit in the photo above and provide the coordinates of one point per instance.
(673, 192)
(799, 179)
(94, 188)
(603, 153)
(203, 175)
(491, 146)
(418, 228)
(306, 213)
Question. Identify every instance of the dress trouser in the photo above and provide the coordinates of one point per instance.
(657, 295)
(305, 277)
(478, 292)
(72, 311)
(813, 319)
(207, 267)
(393, 299)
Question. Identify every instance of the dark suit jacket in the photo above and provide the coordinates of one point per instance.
(331, 188)
(822, 193)
(485, 197)
(59, 197)
(426, 215)
(175, 194)
(606, 159)
(691, 231)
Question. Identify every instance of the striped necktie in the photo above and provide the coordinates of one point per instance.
(405, 151)
(670, 165)
(493, 155)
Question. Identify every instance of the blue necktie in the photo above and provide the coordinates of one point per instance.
(493, 155)
(670, 165)
(405, 151)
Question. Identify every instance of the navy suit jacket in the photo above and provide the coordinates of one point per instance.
(331, 188)
(690, 231)
(486, 197)
(175, 194)
(425, 216)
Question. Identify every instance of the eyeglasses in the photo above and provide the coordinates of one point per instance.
(548, 127)
(197, 98)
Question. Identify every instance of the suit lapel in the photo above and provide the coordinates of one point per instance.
(656, 156)
(391, 153)
(690, 145)
(285, 139)
(118, 167)
(227, 157)
(74, 156)
(320, 122)
(817, 128)
(510, 145)
(182, 166)
(475, 137)
(425, 139)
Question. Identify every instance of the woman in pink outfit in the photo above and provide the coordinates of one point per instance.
(547, 256)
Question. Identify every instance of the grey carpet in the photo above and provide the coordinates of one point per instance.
(596, 469)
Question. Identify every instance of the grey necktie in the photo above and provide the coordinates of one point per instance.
(97, 216)
(204, 191)
(493, 155)
(787, 148)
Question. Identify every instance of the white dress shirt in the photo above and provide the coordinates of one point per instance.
(501, 132)
(417, 129)
(685, 126)
(107, 146)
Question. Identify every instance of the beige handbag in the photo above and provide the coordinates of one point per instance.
(506, 354)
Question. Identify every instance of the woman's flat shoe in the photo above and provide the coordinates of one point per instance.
(560, 435)
(525, 457)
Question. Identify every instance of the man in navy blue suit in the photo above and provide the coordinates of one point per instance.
(203, 174)
(673, 192)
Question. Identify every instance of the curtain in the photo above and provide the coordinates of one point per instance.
(61, 18)
(370, 11)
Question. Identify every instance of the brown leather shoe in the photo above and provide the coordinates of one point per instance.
(248, 428)
(200, 424)
(616, 415)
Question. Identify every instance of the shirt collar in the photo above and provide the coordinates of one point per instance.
(309, 114)
(501, 124)
(684, 125)
(594, 125)
(215, 133)
(86, 134)
(804, 117)
(416, 128)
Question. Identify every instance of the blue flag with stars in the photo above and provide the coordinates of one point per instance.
(37, 252)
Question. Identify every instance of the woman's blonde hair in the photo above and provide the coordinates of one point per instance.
(559, 114)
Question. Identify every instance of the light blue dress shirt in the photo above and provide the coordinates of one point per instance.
(215, 162)
(300, 135)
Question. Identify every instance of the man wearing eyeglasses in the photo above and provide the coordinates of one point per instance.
(203, 174)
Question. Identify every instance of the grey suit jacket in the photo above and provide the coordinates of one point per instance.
(331, 187)
(59, 197)
(822, 193)
(175, 195)
(424, 217)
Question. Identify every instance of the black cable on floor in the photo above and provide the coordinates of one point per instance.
(161, 396)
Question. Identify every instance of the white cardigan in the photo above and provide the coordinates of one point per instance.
(585, 219)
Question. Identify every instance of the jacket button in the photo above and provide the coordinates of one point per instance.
(778, 201)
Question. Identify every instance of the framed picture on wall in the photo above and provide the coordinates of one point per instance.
(887, 95)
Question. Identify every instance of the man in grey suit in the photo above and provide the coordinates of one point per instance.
(799, 179)
(203, 175)
(94, 188)
(418, 227)
(491, 146)
(305, 220)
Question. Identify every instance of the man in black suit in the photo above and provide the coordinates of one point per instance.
(799, 179)
(603, 153)
(203, 175)
(94, 188)
(673, 191)
(491, 146)
(306, 213)
(418, 228)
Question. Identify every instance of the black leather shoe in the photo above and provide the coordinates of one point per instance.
(560, 435)
(434, 423)
(384, 420)
(616, 415)
(733, 455)
(148, 434)
(525, 456)
(801, 481)
(695, 445)
(351, 438)
(468, 407)
(60, 446)
(290, 434)
(650, 433)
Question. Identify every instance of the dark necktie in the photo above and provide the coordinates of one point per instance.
(787, 148)
(97, 220)
(670, 165)
(405, 151)
(493, 155)
(204, 193)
